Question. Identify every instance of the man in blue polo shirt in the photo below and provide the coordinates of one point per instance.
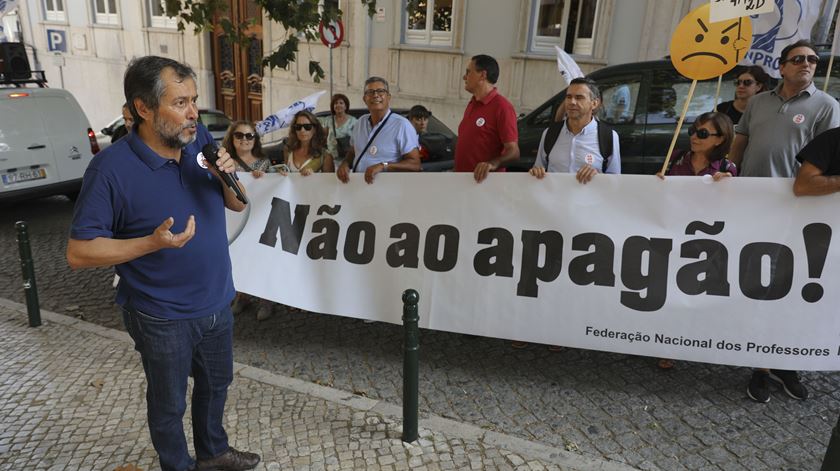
(151, 206)
(382, 141)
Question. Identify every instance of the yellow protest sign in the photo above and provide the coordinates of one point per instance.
(701, 49)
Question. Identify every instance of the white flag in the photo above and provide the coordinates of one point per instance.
(283, 118)
(789, 22)
(567, 66)
(7, 6)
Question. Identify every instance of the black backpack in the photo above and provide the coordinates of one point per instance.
(605, 141)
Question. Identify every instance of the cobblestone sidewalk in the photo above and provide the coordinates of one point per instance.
(73, 397)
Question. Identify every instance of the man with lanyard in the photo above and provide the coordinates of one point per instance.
(577, 148)
(775, 126)
(381, 141)
(487, 135)
(153, 206)
(819, 175)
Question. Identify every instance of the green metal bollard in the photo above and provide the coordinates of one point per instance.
(411, 368)
(28, 269)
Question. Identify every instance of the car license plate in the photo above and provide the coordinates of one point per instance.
(24, 176)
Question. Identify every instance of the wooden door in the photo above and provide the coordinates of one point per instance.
(238, 70)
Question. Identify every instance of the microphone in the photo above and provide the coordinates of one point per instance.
(209, 152)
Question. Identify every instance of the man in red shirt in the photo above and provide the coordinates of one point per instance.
(487, 135)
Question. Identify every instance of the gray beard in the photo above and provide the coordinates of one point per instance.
(172, 141)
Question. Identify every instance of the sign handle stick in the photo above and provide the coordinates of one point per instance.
(679, 125)
(717, 91)
(828, 72)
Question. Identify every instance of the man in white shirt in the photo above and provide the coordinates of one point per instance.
(577, 147)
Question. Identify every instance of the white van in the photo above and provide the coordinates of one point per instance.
(46, 143)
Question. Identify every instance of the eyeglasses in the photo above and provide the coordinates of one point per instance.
(811, 58)
(745, 82)
(378, 91)
(701, 133)
(307, 126)
(249, 136)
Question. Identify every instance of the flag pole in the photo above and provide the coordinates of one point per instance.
(833, 47)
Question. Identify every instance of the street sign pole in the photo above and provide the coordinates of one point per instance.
(331, 100)
(332, 34)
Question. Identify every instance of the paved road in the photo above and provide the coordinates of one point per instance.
(73, 399)
(597, 404)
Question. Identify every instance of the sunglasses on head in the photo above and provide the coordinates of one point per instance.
(745, 82)
(307, 126)
(701, 133)
(796, 60)
(244, 135)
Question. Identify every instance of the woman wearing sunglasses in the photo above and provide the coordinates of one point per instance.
(243, 144)
(306, 147)
(751, 81)
(711, 135)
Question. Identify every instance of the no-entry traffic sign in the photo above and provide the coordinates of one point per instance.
(332, 33)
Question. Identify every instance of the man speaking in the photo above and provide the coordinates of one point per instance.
(152, 206)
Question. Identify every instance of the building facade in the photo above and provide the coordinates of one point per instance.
(421, 47)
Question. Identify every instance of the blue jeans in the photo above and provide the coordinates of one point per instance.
(171, 350)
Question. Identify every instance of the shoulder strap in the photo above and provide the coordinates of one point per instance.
(551, 138)
(605, 143)
(370, 141)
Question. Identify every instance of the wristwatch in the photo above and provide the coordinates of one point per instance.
(384, 166)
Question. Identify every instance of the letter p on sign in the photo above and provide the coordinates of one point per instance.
(56, 40)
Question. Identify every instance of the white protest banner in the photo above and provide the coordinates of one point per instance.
(790, 21)
(283, 118)
(737, 272)
(569, 69)
(726, 9)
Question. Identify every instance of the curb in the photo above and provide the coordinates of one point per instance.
(434, 423)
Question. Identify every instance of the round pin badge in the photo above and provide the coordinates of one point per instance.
(373, 150)
(199, 158)
(799, 119)
(480, 122)
(589, 159)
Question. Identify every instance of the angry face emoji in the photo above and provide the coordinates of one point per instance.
(702, 50)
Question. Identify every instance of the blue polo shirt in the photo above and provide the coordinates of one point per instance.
(396, 139)
(128, 191)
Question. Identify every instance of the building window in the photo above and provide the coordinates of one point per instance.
(429, 22)
(157, 15)
(569, 24)
(106, 12)
(54, 10)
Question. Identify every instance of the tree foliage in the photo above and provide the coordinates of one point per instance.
(299, 19)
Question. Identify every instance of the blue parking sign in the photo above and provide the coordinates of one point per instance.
(56, 40)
